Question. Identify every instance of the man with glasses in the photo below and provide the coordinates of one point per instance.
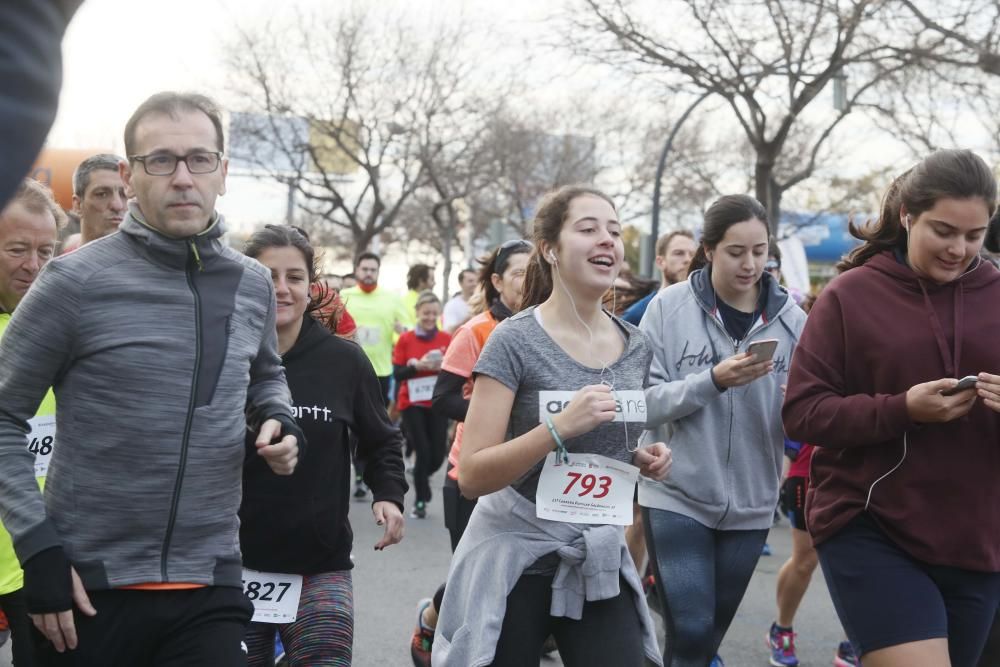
(150, 340)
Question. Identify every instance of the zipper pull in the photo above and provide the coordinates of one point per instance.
(197, 257)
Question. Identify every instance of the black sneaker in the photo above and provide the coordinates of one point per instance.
(419, 510)
(360, 491)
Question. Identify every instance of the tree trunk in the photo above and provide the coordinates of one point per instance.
(766, 189)
(446, 277)
(362, 242)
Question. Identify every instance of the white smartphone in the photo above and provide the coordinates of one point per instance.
(968, 382)
(763, 350)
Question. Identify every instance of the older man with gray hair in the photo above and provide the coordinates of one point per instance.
(99, 196)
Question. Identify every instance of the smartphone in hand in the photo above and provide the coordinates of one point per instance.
(966, 383)
(763, 350)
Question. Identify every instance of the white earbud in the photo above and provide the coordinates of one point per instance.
(552, 256)
(907, 222)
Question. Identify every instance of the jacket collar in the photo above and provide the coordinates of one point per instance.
(199, 248)
(774, 295)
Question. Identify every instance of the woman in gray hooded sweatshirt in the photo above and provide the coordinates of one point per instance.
(719, 407)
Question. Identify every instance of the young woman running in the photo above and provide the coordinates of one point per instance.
(904, 507)
(719, 405)
(499, 289)
(297, 525)
(551, 377)
(416, 360)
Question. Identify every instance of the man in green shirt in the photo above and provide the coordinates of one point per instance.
(379, 315)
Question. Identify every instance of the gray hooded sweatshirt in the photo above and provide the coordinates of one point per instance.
(158, 351)
(727, 445)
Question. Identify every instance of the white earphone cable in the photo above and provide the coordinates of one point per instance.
(894, 469)
(604, 367)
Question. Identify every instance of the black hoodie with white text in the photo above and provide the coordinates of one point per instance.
(298, 524)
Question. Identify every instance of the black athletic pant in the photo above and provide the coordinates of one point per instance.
(202, 627)
(428, 431)
(22, 640)
(610, 632)
(457, 510)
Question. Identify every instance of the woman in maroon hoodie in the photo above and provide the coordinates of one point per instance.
(905, 504)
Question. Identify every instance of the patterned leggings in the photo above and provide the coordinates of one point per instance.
(323, 632)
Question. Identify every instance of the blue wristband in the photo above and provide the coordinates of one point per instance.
(561, 452)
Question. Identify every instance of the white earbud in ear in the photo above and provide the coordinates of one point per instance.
(907, 222)
(552, 256)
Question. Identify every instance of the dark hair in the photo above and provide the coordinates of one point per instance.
(463, 272)
(663, 242)
(170, 103)
(497, 262)
(945, 174)
(81, 175)
(992, 242)
(284, 236)
(620, 299)
(418, 273)
(548, 223)
(367, 255)
(774, 251)
(725, 212)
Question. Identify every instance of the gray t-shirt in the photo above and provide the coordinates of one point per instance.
(521, 355)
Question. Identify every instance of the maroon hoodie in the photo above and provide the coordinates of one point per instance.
(875, 332)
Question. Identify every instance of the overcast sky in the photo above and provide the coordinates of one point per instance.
(118, 52)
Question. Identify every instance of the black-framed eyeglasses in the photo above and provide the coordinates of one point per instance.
(507, 247)
(165, 164)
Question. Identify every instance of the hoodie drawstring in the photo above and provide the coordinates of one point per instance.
(952, 359)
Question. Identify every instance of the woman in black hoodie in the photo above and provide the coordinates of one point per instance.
(297, 525)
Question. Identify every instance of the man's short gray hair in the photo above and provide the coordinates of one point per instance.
(81, 177)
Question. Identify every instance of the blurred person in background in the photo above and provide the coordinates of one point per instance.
(99, 196)
(674, 251)
(28, 233)
(458, 311)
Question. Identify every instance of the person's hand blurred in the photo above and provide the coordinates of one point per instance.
(387, 514)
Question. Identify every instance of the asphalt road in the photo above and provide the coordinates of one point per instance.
(387, 586)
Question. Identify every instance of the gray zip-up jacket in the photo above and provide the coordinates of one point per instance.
(727, 445)
(159, 351)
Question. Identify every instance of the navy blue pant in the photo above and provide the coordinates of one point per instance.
(701, 576)
(884, 597)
